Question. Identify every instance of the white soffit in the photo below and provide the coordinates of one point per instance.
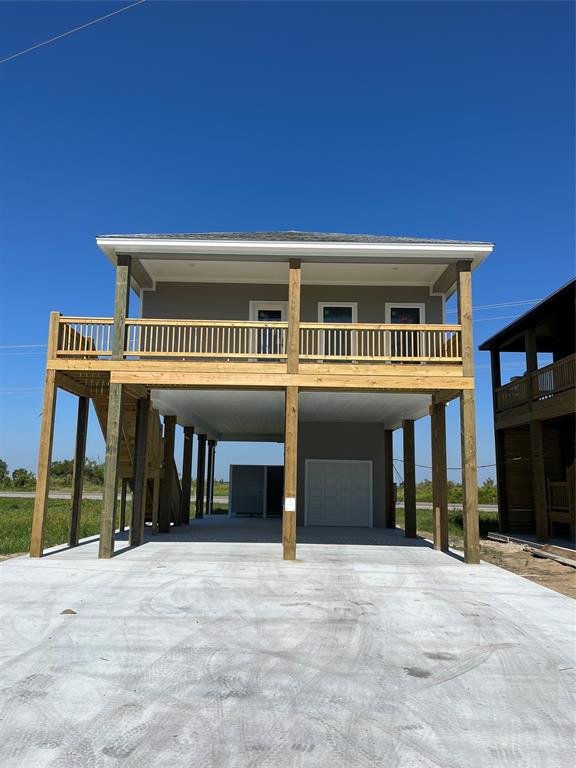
(252, 413)
(169, 270)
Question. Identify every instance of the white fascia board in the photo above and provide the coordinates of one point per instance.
(254, 250)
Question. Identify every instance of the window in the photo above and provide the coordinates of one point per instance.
(269, 341)
(405, 314)
(338, 342)
(405, 344)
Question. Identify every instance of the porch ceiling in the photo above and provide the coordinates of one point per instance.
(171, 270)
(259, 415)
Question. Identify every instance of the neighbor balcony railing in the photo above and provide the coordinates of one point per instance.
(223, 340)
(539, 385)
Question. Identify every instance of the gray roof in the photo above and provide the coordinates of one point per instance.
(552, 319)
(294, 236)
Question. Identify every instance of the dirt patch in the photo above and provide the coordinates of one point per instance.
(548, 573)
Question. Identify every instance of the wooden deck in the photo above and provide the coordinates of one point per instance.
(175, 353)
(542, 394)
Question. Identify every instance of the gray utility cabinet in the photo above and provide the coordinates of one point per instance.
(255, 490)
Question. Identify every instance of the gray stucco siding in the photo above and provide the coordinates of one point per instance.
(342, 441)
(231, 301)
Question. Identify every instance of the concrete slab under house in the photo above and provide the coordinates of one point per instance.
(326, 343)
(203, 648)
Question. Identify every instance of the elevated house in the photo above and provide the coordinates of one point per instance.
(534, 419)
(324, 342)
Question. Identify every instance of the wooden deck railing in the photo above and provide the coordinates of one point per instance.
(380, 343)
(223, 339)
(85, 336)
(539, 385)
(205, 338)
(514, 393)
(554, 378)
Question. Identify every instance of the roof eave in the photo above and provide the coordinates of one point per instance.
(240, 249)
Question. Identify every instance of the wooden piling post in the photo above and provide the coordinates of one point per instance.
(468, 420)
(200, 475)
(409, 478)
(186, 475)
(110, 493)
(123, 501)
(389, 501)
(78, 471)
(210, 477)
(166, 483)
(140, 481)
(439, 477)
(294, 290)
(290, 473)
(44, 460)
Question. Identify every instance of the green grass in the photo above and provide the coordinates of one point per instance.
(488, 522)
(16, 522)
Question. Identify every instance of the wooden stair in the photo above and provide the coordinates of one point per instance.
(155, 452)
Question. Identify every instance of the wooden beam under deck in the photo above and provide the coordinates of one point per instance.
(104, 367)
(89, 377)
(173, 379)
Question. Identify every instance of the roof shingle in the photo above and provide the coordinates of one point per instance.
(294, 236)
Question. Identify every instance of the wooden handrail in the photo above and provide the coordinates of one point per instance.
(381, 327)
(206, 323)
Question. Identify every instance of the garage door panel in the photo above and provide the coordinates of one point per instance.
(339, 493)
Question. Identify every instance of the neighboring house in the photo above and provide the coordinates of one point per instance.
(325, 342)
(534, 419)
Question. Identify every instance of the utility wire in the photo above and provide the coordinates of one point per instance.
(459, 469)
(500, 317)
(20, 346)
(501, 304)
(70, 32)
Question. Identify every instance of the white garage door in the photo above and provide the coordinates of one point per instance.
(338, 492)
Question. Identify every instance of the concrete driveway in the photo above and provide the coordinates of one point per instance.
(192, 652)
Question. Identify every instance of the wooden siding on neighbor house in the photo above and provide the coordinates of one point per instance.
(518, 472)
(518, 478)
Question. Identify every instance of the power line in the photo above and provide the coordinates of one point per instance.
(455, 469)
(500, 317)
(20, 346)
(70, 32)
(501, 304)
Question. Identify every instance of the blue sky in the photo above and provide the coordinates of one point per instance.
(432, 119)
